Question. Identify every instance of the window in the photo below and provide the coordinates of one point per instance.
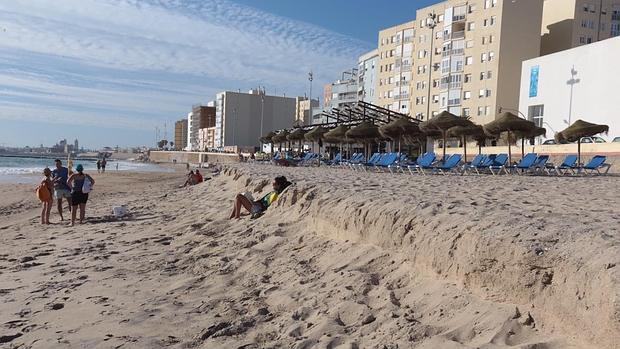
(435, 98)
(491, 39)
(422, 54)
(471, 26)
(480, 111)
(467, 78)
(493, 20)
(485, 22)
(472, 8)
(440, 18)
(483, 57)
(483, 75)
(491, 55)
(487, 110)
(436, 83)
(469, 44)
(589, 40)
(582, 39)
(481, 93)
(484, 40)
(466, 112)
(535, 114)
(489, 74)
(467, 95)
(488, 93)
(469, 60)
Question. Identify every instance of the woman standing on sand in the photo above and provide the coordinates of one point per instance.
(80, 184)
(44, 193)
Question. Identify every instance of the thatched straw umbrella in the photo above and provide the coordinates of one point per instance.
(364, 132)
(580, 129)
(268, 139)
(297, 135)
(399, 128)
(472, 130)
(508, 122)
(442, 123)
(280, 138)
(337, 135)
(316, 135)
(535, 132)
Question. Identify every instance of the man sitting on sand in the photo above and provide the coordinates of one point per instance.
(258, 207)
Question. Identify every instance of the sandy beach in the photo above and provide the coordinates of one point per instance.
(342, 260)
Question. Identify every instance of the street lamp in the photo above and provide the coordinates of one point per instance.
(431, 22)
(572, 82)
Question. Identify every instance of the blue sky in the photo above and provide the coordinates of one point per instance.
(109, 71)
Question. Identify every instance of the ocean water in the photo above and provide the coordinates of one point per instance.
(21, 170)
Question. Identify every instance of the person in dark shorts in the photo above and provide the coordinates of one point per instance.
(104, 162)
(80, 184)
(98, 166)
(61, 191)
(258, 207)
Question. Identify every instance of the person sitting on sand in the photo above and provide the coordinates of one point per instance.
(44, 193)
(80, 187)
(191, 179)
(198, 177)
(258, 207)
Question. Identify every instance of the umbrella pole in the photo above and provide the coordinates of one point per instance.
(444, 146)
(465, 148)
(509, 152)
(579, 152)
(479, 148)
(522, 148)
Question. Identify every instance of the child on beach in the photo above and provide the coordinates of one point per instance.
(44, 193)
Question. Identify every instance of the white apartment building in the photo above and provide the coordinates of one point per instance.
(367, 76)
(560, 88)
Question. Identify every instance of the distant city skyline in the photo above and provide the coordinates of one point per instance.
(109, 73)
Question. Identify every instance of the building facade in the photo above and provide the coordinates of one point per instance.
(394, 72)
(180, 134)
(200, 117)
(468, 59)
(559, 89)
(367, 76)
(242, 118)
(303, 110)
(572, 23)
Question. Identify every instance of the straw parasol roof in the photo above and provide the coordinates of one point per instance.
(398, 128)
(508, 122)
(429, 130)
(337, 134)
(296, 135)
(315, 134)
(366, 131)
(474, 131)
(281, 137)
(442, 123)
(581, 129)
(268, 137)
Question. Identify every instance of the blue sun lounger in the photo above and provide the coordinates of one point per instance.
(525, 164)
(498, 164)
(595, 166)
(424, 162)
(451, 165)
(477, 161)
(569, 165)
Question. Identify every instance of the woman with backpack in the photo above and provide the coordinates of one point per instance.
(80, 184)
(44, 193)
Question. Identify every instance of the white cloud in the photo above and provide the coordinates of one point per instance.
(153, 58)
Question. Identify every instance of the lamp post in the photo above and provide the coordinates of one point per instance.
(572, 82)
(262, 113)
(431, 22)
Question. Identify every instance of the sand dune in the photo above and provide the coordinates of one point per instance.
(342, 260)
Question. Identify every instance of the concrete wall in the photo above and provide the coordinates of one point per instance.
(191, 157)
(594, 96)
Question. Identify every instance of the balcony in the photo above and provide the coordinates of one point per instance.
(458, 18)
(405, 68)
(401, 96)
(615, 17)
(402, 83)
(455, 52)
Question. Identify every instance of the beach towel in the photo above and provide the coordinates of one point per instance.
(43, 192)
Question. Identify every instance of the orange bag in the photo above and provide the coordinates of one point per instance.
(43, 193)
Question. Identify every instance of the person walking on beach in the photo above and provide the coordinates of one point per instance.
(103, 163)
(44, 193)
(61, 190)
(98, 166)
(80, 184)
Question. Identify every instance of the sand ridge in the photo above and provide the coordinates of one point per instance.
(343, 260)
